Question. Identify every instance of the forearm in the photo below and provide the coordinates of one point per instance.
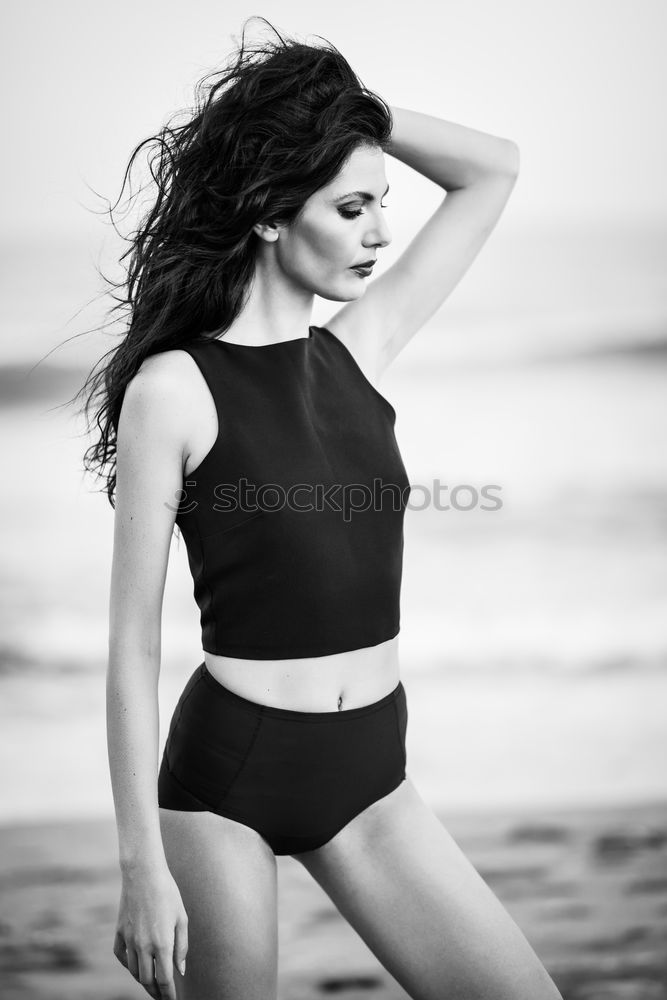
(452, 156)
(132, 741)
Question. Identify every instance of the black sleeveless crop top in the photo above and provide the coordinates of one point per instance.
(293, 521)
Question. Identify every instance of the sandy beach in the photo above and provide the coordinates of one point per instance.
(587, 887)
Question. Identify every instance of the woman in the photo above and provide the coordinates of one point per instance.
(264, 438)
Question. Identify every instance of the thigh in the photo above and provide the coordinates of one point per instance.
(399, 878)
(227, 877)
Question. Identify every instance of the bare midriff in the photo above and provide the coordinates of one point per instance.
(339, 681)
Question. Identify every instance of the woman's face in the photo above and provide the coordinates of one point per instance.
(340, 226)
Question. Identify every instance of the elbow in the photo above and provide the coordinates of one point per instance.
(504, 162)
(511, 157)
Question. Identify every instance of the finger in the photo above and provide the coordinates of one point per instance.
(119, 949)
(181, 945)
(164, 973)
(147, 973)
(132, 962)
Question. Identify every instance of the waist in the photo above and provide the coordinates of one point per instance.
(339, 681)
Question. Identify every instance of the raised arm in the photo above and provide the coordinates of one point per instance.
(478, 172)
(152, 920)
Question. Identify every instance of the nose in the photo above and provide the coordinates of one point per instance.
(379, 235)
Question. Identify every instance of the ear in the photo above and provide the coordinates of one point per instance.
(268, 231)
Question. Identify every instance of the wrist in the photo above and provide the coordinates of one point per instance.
(142, 864)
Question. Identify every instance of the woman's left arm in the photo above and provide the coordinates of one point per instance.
(452, 156)
(478, 172)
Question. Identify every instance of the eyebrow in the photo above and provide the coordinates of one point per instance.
(364, 195)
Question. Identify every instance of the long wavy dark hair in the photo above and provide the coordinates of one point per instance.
(268, 130)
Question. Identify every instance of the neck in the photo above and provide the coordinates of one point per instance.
(276, 308)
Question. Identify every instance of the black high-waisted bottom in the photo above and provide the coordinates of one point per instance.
(295, 777)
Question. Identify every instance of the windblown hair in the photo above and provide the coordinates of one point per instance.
(273, 126)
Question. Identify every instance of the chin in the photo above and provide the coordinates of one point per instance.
(342, 295)
(338, 297)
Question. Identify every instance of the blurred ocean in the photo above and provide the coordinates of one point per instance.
(534, 636)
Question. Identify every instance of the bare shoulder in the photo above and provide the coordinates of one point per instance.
(156, 404)
(162, 370)
(161, 383)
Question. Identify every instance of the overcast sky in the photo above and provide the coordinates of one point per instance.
(579, 84)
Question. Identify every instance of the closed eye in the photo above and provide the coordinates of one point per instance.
(351, 213)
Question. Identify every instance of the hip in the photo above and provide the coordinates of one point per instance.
(295, 777)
